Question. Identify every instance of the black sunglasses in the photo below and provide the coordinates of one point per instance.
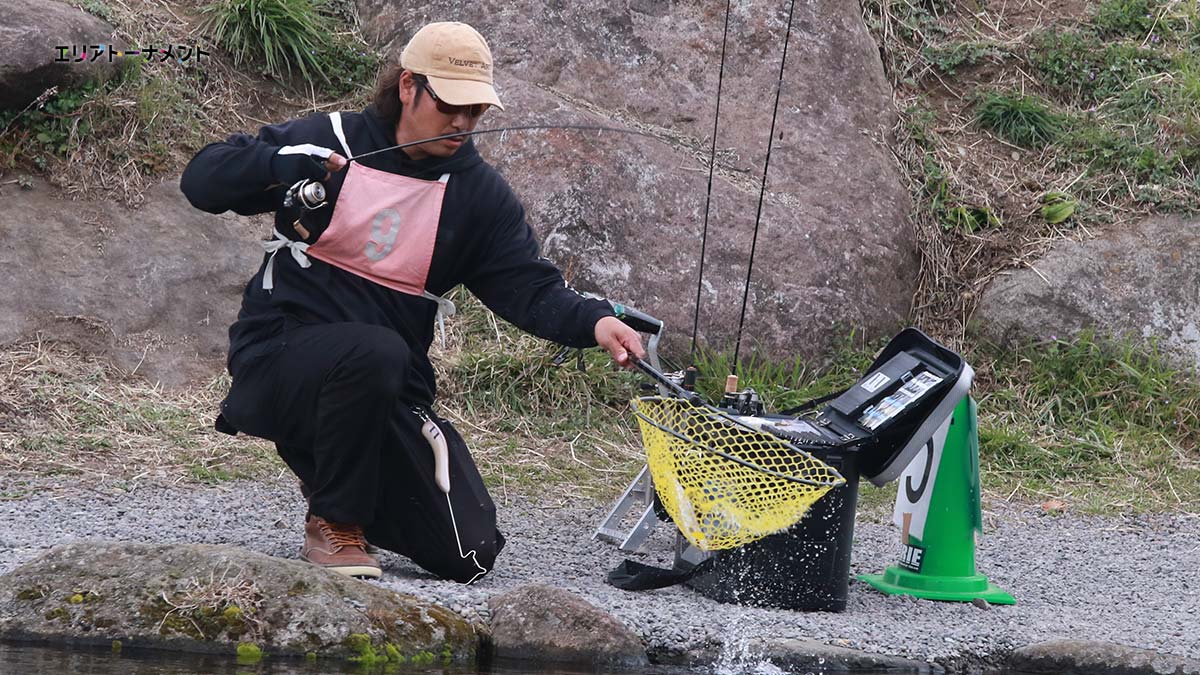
(473, 110)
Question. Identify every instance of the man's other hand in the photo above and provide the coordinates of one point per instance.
(297, 162)
(619, 340)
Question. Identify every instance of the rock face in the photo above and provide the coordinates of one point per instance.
(549, 625)
(1140, 282)
(1079, 657)
(623, 215)
(212, 598)
(154, 288)
(30, 33)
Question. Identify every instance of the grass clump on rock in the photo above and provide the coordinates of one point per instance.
(1023, 120)
(282, 34)
(366, 654)
(248, 653)
(288, 38)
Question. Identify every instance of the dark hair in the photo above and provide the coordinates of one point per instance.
(387, 95)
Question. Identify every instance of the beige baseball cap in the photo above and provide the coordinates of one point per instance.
(456, 60)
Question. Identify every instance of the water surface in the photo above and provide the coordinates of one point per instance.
(20, 659)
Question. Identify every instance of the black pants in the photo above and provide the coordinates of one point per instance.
(328, 396)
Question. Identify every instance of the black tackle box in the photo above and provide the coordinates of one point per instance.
(873, 429)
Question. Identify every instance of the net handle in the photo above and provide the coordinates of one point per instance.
(838, 478)
(656, 375)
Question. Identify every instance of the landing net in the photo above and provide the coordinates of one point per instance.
(724, 483)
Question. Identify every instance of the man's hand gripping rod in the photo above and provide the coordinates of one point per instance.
(644, 323)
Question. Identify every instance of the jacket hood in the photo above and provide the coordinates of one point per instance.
(428, 168)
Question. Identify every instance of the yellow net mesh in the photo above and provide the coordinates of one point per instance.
(726, 484)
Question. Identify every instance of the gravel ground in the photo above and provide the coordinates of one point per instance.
(1131, 581)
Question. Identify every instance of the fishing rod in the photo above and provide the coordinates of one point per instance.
(746, 398)
(523, 127)
(310, 194)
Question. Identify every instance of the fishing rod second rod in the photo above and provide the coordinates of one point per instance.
(310, 194)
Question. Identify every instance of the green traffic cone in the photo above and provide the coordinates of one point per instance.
(940, 514)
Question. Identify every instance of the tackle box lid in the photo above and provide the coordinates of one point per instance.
(891, 412)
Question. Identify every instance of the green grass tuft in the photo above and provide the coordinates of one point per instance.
(1133, 18)
(948, 58)
(1110, 424)
(1022, 120)
(286, 36)
(283, 35)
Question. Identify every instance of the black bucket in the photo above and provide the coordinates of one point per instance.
(806, 567)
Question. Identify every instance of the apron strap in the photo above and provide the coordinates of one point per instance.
(445, 308)
(335, 118)
(445, 305)
(272, 246)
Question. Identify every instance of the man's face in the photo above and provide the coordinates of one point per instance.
(425, 117)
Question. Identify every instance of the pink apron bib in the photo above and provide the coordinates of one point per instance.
(383, 229)
(383, 226)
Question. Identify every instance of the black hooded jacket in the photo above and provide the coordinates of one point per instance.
(482, 242)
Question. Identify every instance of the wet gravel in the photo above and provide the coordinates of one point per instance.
(1133, 581)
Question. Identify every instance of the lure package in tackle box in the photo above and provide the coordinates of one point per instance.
(909, 391)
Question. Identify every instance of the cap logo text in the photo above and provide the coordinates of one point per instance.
(464, 63)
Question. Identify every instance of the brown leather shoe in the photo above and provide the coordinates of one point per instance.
(338, 548)
(371, 549)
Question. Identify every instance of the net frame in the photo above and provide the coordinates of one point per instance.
(690, 524)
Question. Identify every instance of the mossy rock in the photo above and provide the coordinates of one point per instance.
(219, 599)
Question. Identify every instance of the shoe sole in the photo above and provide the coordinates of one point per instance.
(359, 571)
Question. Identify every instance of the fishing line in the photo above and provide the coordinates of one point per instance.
(712, 163)
(524, 127)
(441, 476)
(763, 190)
(472, 554)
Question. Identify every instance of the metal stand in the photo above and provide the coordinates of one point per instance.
(640, 491)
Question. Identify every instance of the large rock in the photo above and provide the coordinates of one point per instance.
(623, 214)
(212, 598)
(154, 288)
(30, 33)
(1141, 282)
(1081, 657)
(541, 624)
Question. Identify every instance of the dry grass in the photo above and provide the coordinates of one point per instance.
(62, 412)
(144, 126)
(535, 428)
(941, 57)
(218, 603)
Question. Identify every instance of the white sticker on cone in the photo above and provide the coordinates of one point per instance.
(915, 488)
